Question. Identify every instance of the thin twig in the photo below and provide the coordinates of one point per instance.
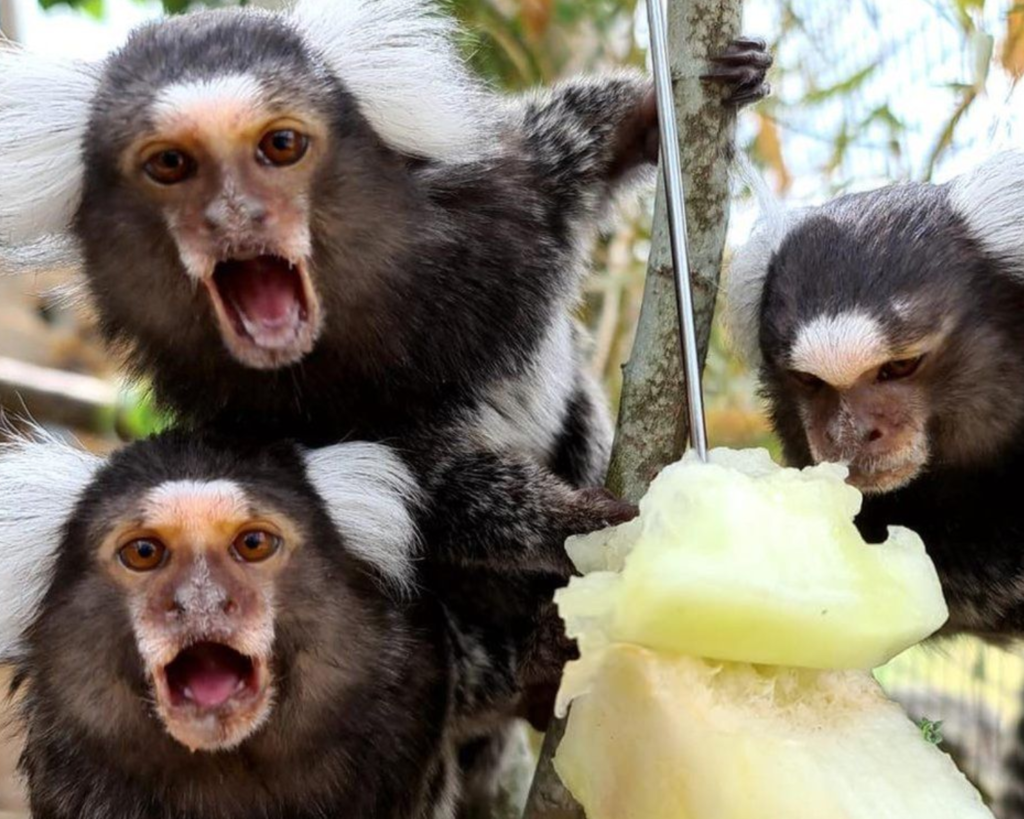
(55, 396)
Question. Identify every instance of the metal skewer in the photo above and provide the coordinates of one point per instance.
(676, 205)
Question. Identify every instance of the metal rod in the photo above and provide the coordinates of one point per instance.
(676, 206)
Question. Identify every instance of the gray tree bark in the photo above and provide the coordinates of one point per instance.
(653, 426)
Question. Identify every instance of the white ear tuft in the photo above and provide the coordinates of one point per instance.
(748, 269)
(990, 199)
(53, 254)
(371, 496)
(44, 111)
(41, 480)
(399, 59)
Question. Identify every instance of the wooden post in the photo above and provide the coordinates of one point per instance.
(652, 428)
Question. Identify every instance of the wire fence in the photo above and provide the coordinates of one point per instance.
(974, 691)
(868, 92)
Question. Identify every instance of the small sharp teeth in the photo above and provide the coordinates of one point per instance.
(279, 334)
(240, 687)
(187, 693)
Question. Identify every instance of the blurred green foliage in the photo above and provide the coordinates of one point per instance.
(532, 42)
(137, 416)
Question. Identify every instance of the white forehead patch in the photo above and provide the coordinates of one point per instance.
(212, 99)
(839, 349)
(191, 504)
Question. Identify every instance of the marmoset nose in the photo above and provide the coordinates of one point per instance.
(235, 214)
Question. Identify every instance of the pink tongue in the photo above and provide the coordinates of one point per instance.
(266, 290)
(208, 674)
(212, 684)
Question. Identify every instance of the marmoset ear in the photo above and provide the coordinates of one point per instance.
(400, 60)
(372, 498)
(41, 481)
(990, 199)
(44, 112)
(744, 283)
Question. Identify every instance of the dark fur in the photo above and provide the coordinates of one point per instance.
(368, 731)
(1010, 804)
(438, 280)
(441, 283)
(867, 251)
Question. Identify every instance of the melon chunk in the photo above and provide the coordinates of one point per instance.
(742, 560)
(662, 737)
(709, 630)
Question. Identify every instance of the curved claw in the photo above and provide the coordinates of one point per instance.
(739, 99)
(606, 509)
(742, 67)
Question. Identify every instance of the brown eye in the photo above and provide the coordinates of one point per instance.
(143, 555)
(812, 382)
(902, 368)
(285, 147)
(256, 546)
(170, 167)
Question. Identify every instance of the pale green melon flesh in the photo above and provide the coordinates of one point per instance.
(660, 737)
(742, 560)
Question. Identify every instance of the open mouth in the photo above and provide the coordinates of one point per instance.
(267, 309)
(210, 675)
(211, 696)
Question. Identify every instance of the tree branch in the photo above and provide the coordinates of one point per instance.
(55, 396)
(653, 427)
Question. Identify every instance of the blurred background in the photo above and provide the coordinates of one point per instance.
(866, 92)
